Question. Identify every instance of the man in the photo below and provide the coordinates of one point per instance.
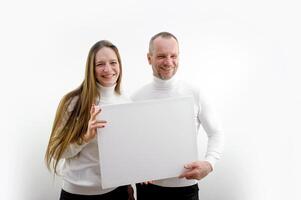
(163, 56)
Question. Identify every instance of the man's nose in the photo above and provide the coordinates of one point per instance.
(168, 61)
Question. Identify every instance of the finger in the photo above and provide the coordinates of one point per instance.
(97, 110)
(97, 126)
(93, 122)
(182, 175)
(188, 173)
(92, 109)
(187, 176)
(100, 124)
(190, 177)
(191, 165)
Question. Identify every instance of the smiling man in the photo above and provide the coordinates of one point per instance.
(163, 56)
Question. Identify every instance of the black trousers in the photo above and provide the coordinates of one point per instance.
(120, 193)
(155, 192)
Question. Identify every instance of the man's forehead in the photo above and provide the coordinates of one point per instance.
(165, 45)
(169, 40)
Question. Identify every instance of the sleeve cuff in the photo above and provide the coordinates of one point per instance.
(211, 160)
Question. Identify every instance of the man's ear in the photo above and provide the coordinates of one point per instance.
(149, 58)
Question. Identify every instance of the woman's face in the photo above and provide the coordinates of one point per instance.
(107, 67)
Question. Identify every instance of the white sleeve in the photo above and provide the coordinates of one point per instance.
(213, 130)
(72, 150)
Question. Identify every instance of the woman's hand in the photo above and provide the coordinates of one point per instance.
(93, 124)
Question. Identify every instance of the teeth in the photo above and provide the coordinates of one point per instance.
(166, 69)
(109, 76)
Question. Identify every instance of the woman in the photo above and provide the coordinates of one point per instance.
(73, 136)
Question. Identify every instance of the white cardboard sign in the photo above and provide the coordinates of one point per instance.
(146, 140)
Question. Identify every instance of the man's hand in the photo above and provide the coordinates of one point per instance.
(196, 170)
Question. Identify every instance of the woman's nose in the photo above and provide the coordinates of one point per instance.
(106, 67)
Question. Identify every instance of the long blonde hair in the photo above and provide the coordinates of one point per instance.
(70, 125)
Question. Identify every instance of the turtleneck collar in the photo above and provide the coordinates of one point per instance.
(106, 92)
(164, 84)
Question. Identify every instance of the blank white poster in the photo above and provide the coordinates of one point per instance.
(147, 140)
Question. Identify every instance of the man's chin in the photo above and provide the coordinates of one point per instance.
(165, 77)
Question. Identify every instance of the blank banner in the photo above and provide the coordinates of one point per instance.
(146, 140)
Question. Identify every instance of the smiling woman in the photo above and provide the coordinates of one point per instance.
(73, 136)
(107, 68)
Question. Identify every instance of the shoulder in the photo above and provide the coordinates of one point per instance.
(191, 89)
(200, 96)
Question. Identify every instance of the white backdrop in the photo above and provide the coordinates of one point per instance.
(245, 56)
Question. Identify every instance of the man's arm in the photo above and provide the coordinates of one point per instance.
(200, 169)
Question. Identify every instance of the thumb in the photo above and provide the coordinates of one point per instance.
(191, 165)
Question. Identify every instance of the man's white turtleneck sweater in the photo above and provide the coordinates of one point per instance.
(203, 116)
(81, 173)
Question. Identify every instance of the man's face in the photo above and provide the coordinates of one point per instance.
(164, 57)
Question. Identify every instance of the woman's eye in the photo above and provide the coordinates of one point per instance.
(100, 64)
